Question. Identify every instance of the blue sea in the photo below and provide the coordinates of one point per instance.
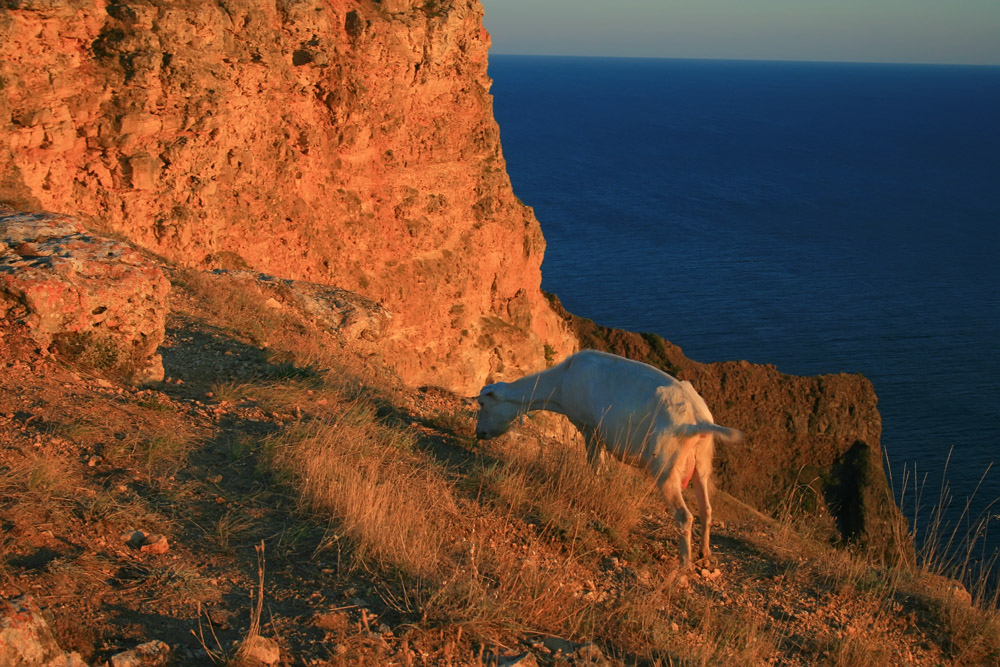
(821, 217)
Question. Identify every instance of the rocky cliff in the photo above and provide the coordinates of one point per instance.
(346, 142)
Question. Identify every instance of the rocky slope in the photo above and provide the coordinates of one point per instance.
(349, 142)
(184, 521)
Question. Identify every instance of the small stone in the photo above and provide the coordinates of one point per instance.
(134, 538)
(262, 649)
(155, 544)
(525, 659)
(144, 655)
(588, 654)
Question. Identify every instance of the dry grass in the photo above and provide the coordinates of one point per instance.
(552, 483)
(356, 470)
(154, 455)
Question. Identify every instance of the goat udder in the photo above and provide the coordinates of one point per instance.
(688, 470)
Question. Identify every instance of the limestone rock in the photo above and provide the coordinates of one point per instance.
(525, 659)
(261, 650)
(155, 544)
(74, 287)
(348, 143)
(939, 586)
(26, 639)
(347, 314)
(148, 654)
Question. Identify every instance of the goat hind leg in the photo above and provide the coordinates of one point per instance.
(671, 490)
(705, 513)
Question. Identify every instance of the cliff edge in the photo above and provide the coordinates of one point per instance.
(342, 142)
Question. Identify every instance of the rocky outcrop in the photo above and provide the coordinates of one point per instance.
(343, 142)
(812, 445)
(350, 316)
(82, 292)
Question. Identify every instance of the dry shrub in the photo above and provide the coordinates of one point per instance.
(38, 478)
(498, 584)
(738, 636)
(973, 634)
(954, 547)
(396, 507)
(856, 649)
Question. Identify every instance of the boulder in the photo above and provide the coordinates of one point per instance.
(26, 639)
(83, 292)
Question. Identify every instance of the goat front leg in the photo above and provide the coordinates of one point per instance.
(595, 448)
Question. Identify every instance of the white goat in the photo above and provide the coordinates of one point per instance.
(643, 416)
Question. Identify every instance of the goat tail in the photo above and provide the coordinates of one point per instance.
(721, 433)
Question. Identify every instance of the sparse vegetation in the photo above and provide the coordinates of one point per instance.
(100, 353)
(393, 538)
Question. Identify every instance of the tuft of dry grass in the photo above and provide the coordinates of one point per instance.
(354, 469)
(954, 548)
(156, 455)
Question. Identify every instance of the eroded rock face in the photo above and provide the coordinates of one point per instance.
(70, 286)
(344, 142)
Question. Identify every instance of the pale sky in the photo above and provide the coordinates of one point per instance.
(923, 31)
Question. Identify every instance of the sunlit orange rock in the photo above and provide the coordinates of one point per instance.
(342, 142)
